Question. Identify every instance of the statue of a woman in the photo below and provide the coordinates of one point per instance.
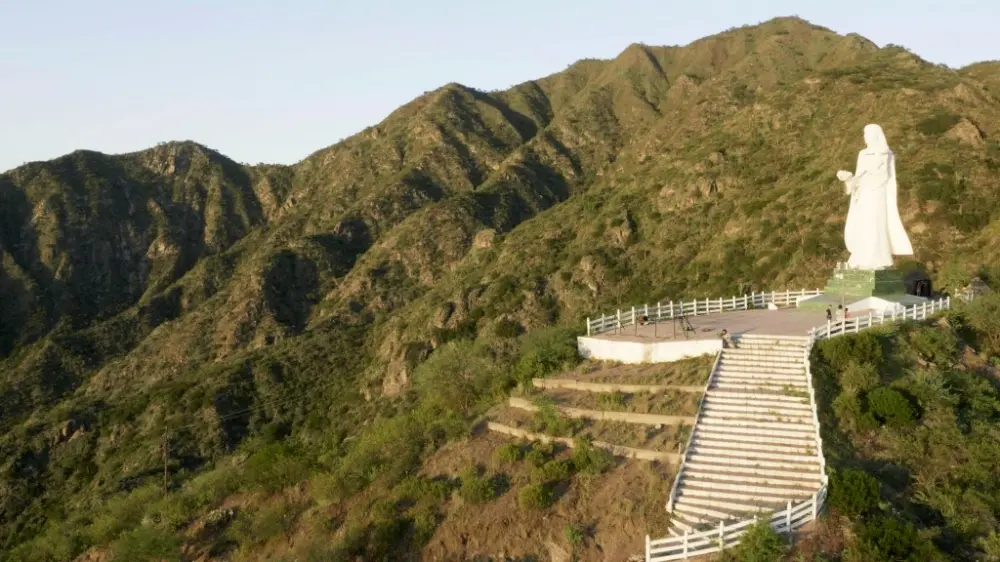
(874, 232)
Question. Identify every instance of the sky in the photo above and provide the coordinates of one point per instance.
(273, 81)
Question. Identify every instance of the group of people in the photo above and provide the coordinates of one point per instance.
(841, 313)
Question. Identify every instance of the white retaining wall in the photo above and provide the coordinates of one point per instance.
(644, 352)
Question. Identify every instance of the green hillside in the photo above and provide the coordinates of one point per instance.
(288, 331)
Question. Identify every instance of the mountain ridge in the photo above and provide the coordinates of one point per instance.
(174, 283)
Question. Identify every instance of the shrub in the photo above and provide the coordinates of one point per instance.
(575, 534)
(863, 348)
(545, 352)
(853, 492)
(847, 407)
(455, 378)
(984, 317)
(539, 454)
(509, 453)
(890, 407)
(888, 538)
(144, 544)
(476, 487)
(933, 344)
(938, 124)
(589, 459)
(612, 401)
(507, 328)
(535, 496)
(552, 471)
(760, 543)
(858, 378)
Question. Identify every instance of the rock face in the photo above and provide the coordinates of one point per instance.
(967, 133)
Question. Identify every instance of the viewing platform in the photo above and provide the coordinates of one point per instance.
(674, 331)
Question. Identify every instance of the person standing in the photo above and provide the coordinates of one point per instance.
(829, 314)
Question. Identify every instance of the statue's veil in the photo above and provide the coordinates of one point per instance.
(899, 242)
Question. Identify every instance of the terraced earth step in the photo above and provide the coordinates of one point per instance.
(573, 384)
(606, 415)
(617, 450)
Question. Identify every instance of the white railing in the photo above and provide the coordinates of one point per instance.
(687, 445)
(687, 545)
(858, 323)
(795, 515)
(669, 311)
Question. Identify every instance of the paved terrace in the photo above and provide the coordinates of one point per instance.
(782, 322)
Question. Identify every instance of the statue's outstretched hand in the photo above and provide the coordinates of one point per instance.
(844, 175)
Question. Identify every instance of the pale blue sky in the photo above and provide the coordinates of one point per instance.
(272, 81)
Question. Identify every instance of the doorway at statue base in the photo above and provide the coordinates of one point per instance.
(863, 290)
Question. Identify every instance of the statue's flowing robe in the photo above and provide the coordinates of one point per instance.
(874, 231)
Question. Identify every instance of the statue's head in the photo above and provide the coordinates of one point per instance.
(875, 138)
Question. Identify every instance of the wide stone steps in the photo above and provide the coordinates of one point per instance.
(716, 471)
(764, 354)
(760, 374)
(754, 386)
(800, 458)
(754, 448)
(734, 461)
(700, 442)
(739, 395)
(726, 367)
(710, 510)
(754, 410)
(710, 435)
(758, 402)
(777, 489)
(751, 429)
(734, 505)
(717, 412)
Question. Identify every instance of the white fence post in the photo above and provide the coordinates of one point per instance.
(633, 315)
(588, 326)
(618, 320)
(647, 548)
(646, 312)
(815, 502)
(685, 544)
(722, 534)
(671, 310)
(925, 310)
(788, 517)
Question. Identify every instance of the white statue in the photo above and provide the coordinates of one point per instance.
(874, 232)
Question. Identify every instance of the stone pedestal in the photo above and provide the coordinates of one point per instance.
(867, 287)
(860, 283)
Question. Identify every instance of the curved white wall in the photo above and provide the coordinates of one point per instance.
(641, 352)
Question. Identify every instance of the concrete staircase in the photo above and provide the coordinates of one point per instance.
(754, 445)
